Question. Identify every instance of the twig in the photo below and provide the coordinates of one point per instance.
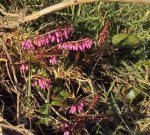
(147, 73)
(10, 60)
(6, 125)
(14, 76)
(8, 14)
(16, 129)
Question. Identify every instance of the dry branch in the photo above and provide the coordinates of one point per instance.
(20, 20)
(8, 14)
(4, 124)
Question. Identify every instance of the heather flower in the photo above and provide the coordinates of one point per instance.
(53, 39)
(65, 125)
(47, 41)
(57, 36)
(53, 60)
(81, 45)
(104, 34)
(66, 133)
(66, 34)
(72, 109)
(35, 83)
(28, 44)
(39, 42)
(96, 98)
(43, 83)
(49, 36)
(24, 67)
(58, 40)
(80, 107)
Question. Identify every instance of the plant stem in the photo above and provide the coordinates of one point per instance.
(29, 84)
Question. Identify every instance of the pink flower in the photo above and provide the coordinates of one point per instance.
(53, 60)
(80, 48)
(46, 40)
(53, 38)
(35, 83)
(72, 109)
(57, 36)
(66, 34)
(28, 44)
(24, 67)
(66, 125)
(49, 36)
(81, 45)
(43, 83)
(66, 133)
(80, 107)
(104, 33)
(58, 40)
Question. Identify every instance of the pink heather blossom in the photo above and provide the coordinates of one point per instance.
(66, 125)
(104, 33)
(39, 43)
(57, 36)
(43, 83)
(49, 36)
(77, 46)
(81, 48)
(70, 47)
(66, 34)
(64, 46)
(58, 40)
(80, 107)
(74, 47)
(53, 60)
(24, 67)
(66, 133)
(53, 39)
(47, 40)
(35, 83)
(60, 46)
(28, 44)
(72, 109)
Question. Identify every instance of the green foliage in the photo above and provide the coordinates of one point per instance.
(126, 41)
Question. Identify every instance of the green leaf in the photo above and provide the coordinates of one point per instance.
(41, 121)
(132, 94)
(42, 72)
(64, 94)
(56, 103)
(44, 120)
(43, 109)
(127, 41)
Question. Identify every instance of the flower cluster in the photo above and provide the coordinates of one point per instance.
(24, 67)
(43, 83)
(66, 128)
(28, 44)
(103, 35)
(53, 60)
(57, 36)
(80, 45)
(66, 133)
(75, 108)
(96, 98)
